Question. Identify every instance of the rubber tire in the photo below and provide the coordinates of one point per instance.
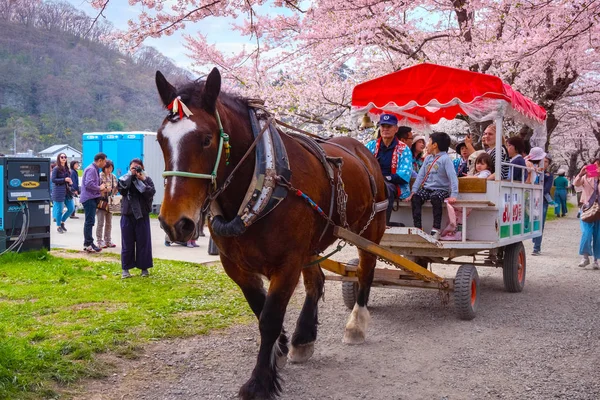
(514, 267)
(213, 250)
(350, 289)
(466, 292)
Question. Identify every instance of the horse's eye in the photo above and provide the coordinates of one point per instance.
(206, 141)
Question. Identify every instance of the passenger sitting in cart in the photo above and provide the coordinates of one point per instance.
(489, 140)
(395, 159)
(436, 181)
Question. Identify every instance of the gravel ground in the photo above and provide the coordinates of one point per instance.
(538, 344)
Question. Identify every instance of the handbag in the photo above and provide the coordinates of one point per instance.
(103, 204)
(591, 211)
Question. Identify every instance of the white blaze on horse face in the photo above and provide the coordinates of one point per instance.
(174, 132)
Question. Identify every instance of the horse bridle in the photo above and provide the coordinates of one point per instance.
(223, 142)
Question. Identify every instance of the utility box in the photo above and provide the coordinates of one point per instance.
(25, 211)
(121, 148)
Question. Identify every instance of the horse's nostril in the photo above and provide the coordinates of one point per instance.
(184, 228)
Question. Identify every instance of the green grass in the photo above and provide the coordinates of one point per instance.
(551, 217)
(56, 313)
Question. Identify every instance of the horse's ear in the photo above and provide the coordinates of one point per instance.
(166, 91)
(212, 88)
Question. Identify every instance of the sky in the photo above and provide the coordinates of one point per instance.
(217, 30)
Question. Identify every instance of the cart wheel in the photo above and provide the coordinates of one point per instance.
(350, 289)
(213, 250)
(514, 267)
(466, 292)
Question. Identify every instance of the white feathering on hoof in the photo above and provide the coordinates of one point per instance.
(356, 328)
(277, 357)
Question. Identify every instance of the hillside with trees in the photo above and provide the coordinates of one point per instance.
(58, 80)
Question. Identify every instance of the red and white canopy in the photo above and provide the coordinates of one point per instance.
(426, 93)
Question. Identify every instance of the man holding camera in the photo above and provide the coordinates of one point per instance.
(91, 189)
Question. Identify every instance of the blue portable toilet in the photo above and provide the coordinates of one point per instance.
(110, 147)
(92, 145)
(131, 145)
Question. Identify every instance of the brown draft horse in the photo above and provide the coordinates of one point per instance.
(278, 246)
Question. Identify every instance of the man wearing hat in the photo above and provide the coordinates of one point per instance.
(542, 160)
(395, 159)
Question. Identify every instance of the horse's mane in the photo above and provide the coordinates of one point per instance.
(191, 93)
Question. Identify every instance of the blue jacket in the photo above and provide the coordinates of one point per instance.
(399, 174)
(59, 190)
(75, 179)
(442, 175)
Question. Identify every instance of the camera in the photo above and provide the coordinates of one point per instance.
(138, 169)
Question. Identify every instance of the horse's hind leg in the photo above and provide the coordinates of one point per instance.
(265, 382)
(306, 328)
(356, 327)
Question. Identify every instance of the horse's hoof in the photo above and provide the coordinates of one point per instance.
(353, 336)
(302, 353)
(356, 327)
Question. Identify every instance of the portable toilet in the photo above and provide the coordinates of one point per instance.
(92, 145)
(110, 147)
(154, 163)
(131, 145)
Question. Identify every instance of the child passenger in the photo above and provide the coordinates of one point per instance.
(483, 166)
(436, 181)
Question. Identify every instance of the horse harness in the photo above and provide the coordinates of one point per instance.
(271, 180)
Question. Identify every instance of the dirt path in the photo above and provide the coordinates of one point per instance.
(538, 344)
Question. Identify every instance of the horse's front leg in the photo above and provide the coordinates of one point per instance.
(356, 328)
(305, 335)
(265, 382)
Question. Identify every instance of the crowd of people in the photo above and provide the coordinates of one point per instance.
(95, 191)
(417, 170)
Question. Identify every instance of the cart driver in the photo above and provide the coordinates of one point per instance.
(395, 159)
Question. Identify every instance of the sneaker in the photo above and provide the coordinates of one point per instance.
(536, 253)
(89, 249)
(145, 273)
(125, 274)
(435, 233)
(60, 229)
(101, 244)
(584, 262)
(110, 244)
(189, 244)
(195, 244)
(62, 225)
(74, 216)
(96, 248)
(595, 265)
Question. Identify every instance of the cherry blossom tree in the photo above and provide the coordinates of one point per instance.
(307, 56)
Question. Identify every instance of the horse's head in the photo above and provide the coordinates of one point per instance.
(189, 138)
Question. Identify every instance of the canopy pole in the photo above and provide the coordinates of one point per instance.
(499, 135)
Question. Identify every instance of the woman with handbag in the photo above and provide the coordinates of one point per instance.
(61, 192)
(103, 212)
(590, 216)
